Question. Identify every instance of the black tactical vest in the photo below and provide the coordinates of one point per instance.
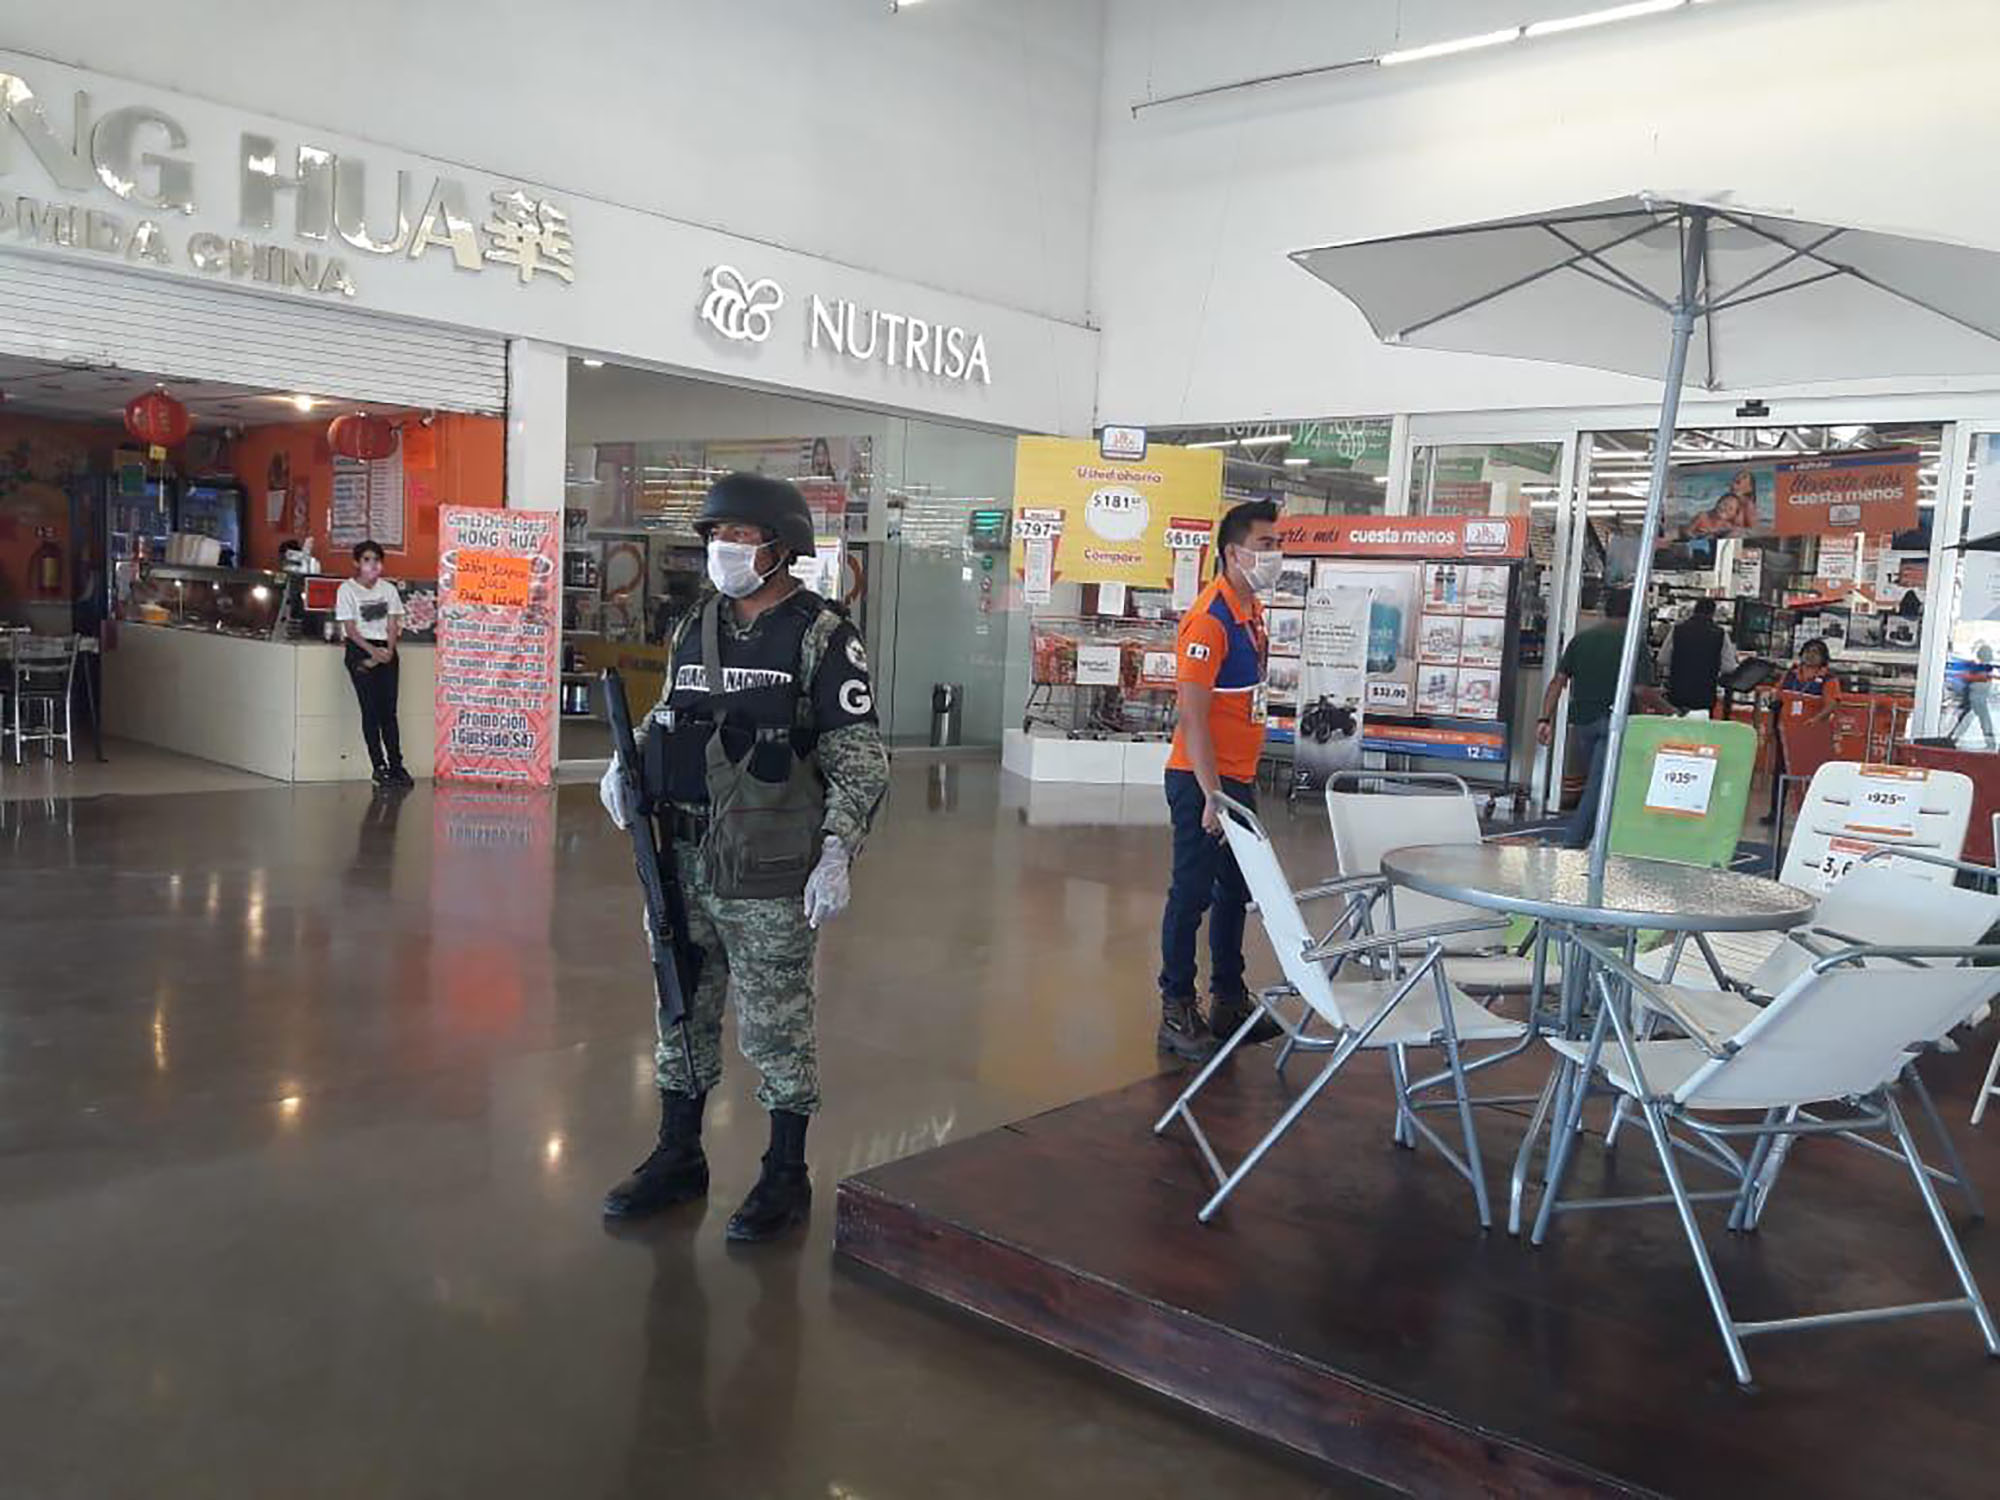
(758, 711)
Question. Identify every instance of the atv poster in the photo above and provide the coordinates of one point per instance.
(1333, 673)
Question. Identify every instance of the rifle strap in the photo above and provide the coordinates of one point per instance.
(711, 645)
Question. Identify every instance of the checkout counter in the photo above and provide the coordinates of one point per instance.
(234, 665)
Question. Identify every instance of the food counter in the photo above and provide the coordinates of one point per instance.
(282, 709)
(202, 665)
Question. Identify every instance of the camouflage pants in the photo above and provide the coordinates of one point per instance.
(764, 951)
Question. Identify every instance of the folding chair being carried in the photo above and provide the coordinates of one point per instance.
(1413, 1004)
(1838, 1034)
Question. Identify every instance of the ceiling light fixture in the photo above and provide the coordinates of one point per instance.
(1446, 49)
(1632, 10)
(593, 364)
(1602, 17)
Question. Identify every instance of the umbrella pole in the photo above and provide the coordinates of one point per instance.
(1693, 252)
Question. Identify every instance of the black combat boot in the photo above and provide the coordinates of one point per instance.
(676, 1172)
(783, 1193)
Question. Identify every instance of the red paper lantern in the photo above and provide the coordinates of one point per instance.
(157, 419)
(359, 436)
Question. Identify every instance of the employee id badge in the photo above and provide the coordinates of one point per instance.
(1260, 697)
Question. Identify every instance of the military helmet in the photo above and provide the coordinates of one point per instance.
(758, 500)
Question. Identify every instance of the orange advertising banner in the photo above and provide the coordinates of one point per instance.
(498, 624)
(1872, 492)
(1501, 538)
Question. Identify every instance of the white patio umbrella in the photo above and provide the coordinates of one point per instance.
(1751, 299)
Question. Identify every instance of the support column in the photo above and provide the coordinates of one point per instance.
(537, 424)
(537, 444)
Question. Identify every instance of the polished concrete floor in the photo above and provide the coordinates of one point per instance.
(307, 1100)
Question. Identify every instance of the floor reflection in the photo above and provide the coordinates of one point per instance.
(344, 1078)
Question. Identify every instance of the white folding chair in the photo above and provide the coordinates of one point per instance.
(1416, 1005)
(1990, 1085)
(1836, 1034)
(1373, 812)
(1889, 901)
(1831, 835)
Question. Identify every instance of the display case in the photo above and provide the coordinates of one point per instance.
(244, 602)
(320, 595)
(1096, 676)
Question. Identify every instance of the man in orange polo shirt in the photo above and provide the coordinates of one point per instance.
(1219, 671)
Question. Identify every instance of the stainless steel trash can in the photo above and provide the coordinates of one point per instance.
(947, 708)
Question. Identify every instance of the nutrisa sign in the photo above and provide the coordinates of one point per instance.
(119, 183)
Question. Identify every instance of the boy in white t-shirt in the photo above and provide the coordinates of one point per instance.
(369, 610)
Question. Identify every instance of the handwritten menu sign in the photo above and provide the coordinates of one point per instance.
(497, 631)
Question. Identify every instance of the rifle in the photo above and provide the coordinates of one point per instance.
(676, 961)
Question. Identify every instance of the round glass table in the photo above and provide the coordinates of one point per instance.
(1554, 884)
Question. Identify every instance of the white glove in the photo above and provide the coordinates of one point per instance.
(616, 796)
(827, 888)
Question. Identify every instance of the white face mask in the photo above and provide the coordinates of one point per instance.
(732, 568)
(1263, 568)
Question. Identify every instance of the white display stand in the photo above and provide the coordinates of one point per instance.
(280, 709)
(1086, 762)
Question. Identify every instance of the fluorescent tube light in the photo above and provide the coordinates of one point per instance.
(1297, 463)
(1446, 49)
(1602, 17)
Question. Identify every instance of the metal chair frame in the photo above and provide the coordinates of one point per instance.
(1954, 1173)
(1876, 1110)
(32, 669)
(1332, 951)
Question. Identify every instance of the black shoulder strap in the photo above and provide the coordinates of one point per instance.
(711, 646)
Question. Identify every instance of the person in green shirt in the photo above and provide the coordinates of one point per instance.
(1589, 670)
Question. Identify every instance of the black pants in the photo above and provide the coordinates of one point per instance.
(375, 689)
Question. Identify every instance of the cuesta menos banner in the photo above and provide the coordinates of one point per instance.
(1502, 538)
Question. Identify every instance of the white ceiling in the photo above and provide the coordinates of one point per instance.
(98, 393)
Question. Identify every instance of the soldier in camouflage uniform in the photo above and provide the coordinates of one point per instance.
(771, 768)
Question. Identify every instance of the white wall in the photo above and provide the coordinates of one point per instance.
(1851, 111)
(950, 145)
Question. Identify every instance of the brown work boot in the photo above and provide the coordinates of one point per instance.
(1184, 1029)
(1227, 1012)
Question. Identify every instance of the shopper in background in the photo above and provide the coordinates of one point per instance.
(369, 610)
(1697, 653)
(1589, 668)
(1975, 674)
(1219, 671)
(1811, 675)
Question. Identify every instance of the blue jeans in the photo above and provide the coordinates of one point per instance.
(1205, 880)
(1590, 741)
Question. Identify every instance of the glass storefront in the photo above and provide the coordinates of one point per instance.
(1318, 466)
(904, 515)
